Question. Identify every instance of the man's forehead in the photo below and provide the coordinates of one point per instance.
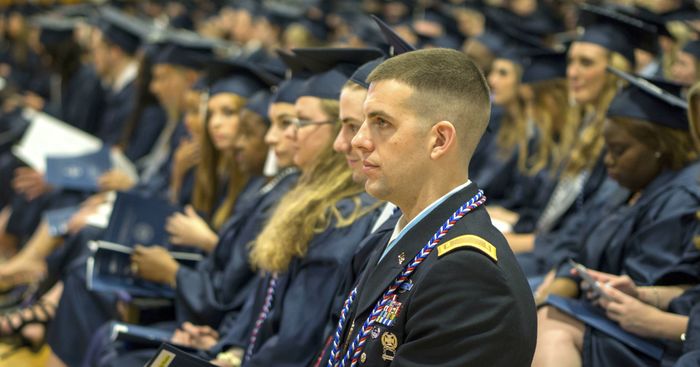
(387, 94)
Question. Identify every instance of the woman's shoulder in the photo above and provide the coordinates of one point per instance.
(350, 204)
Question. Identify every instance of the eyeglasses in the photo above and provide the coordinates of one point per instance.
(298, 123)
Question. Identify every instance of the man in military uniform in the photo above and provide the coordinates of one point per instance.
(446, 289)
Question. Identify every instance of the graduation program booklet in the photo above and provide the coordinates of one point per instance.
(169, 356)
(137, 219)
(80, 172)
(595, 317)
(47, 136)
(109, 270)
(57, 219)
(145, 336)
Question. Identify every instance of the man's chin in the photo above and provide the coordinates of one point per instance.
(376, 190)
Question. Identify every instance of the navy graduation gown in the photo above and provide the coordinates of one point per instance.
(146, 132)
(221, 283)
(293, 332)
(648, 239)
(117, 108)
(82, 100)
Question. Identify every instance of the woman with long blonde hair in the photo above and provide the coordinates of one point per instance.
(609, 40)
(309, 239)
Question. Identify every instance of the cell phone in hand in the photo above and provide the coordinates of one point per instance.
(595, 289)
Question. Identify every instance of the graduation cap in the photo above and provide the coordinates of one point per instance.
(516, 45)
(398, 45)
(491, 39)
(361, 74)
(259, 103)
(543, 66)
(238, 77)
(686, 12)
(184, 48)
(54, 30)
(693, 48)
(288, 91)
(123, 30)
(331, 68)
(648, 17)
(540, 24)
(654, 100)
(616, 32)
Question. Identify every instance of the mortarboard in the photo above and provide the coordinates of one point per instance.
(615, 31)
(238, 77)
(331, 68)
(184, 48)
(360, 75)
(54, 30)
(543, 66)
(123, 30)
(397, 44)
(518, 44)
(649, 17)
(652, 100)
(288, 90)
(259, 103)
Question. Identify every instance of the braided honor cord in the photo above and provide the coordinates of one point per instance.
(267, 304)
(353, 352)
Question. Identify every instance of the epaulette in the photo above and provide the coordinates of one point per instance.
(468, 241)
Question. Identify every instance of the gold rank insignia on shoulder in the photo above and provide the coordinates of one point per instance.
(470, 241)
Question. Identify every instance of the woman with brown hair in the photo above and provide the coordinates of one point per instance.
(643, 231)
(302, 251)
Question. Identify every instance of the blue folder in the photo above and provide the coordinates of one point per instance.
(594, 317)
(171, 356)
(143, 336)
(79, 172)
(137, 219)
(57, 220)
(109, 270)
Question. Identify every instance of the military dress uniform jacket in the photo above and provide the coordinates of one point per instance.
(469, 306)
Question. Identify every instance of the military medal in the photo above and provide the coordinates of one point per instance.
(352, 356)
(389, 344)
(375, 332)
(388, 315)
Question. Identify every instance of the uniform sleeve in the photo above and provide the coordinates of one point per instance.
(464, 314)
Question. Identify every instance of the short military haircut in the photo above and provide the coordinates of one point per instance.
(447, 86)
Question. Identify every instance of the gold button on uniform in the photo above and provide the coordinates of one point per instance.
(363, 357)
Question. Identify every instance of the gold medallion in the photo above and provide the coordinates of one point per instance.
(389, 344)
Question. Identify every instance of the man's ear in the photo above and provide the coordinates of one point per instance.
(443, 138)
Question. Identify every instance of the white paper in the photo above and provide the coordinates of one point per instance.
(47, 136)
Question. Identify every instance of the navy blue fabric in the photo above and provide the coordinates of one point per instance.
(146, 132)
(294, 330)
(222, 282)
(645, 240)
(82, 100)
(118, 107)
